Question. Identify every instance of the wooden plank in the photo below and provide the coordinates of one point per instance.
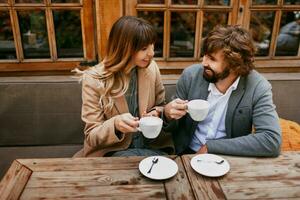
(203, 187)
(81, 164)
(88, 192)
(14, 181)
(262, 193)
(178, 187)
(88, 178)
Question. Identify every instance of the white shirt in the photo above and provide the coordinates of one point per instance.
(213, 127)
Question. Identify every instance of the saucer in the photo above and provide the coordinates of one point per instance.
(165, 168)
(205, 164)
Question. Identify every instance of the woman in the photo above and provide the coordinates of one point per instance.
(120, 90)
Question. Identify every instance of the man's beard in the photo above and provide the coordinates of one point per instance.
(215, 77)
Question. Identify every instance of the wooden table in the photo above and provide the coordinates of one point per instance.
(250, 178)
(89, 178)
(119, 178)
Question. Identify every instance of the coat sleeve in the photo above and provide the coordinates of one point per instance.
(266, 140)
(98, 131)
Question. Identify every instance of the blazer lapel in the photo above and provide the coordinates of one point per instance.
(234, 99)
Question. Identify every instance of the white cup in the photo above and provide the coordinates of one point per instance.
(150, 126)
(198, 109)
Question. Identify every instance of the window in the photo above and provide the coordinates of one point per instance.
(182, 25)
(45, 35)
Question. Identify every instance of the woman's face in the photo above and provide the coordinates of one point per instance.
(144, 56)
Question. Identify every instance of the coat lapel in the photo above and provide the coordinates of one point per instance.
(234, 99)
(143, 89)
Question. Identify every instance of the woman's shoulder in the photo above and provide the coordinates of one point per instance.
(93, 75)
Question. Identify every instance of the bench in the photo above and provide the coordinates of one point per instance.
(40, 116)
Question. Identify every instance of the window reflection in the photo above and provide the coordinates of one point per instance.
(68, 33)
(182, 34)
(157, 20)
(34, 34)
(261, 26)
(29, 1)
(7, 46)
(151, 1)
(212, 19)
(289, 35)
(264, 2)
(217, 2)
(184, 2)
(64, 1)
(291, 2)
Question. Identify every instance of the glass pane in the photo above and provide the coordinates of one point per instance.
(292, 2)
(152, 1)
(264, 2)
(65, 1)
(261, 27)
(7, 45)
(3, 1)
(182, 34)
(289, 35)
(185, 2)
(217, 2)
(157, 20)
(212, 19)
(34, 34)
(29, 1)
(68, 33)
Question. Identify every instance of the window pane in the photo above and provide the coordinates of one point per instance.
(212, 19)
(289, 35)
(217, 2)
(292, 2)
(64, 1)
(261, 26)
(29, 1)
(182, 34)
(3, 1)
(7, 46)
(184, 2)
(157, 20)
(34, 34)
(68, 33)
(264, 2)
(152, 1)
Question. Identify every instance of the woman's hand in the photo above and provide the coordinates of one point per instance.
(126, 123)
(155, 111)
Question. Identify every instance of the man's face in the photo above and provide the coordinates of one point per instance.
(215, 67)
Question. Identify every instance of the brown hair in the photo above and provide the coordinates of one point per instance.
(237, 46)
(128, 35)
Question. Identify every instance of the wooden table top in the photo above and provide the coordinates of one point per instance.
(250, 178)
(89, 178)
(119, 178)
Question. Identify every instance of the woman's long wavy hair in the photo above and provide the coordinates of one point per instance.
(237, 46)
(128, 35)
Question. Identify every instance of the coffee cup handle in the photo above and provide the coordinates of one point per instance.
(139, 129)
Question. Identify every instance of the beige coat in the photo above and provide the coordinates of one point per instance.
(100, 137)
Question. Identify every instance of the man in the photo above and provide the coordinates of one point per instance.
(242, 119)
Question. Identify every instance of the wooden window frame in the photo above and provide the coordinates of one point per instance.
(239, 13)
(53, 63)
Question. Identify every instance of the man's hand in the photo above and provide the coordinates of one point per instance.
(175, 109)
(126, 123)
(202, 150)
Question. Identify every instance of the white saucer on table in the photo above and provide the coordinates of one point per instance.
(165, 168)
(205, 164)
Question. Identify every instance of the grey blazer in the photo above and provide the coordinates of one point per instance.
(249, 106)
